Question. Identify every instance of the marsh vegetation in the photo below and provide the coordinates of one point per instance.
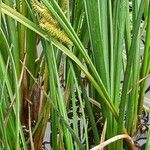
(65, 63)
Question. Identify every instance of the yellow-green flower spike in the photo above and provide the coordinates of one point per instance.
(49, 24)
(56, 32)
(44, 13)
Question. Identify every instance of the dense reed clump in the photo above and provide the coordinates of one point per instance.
(72, 70)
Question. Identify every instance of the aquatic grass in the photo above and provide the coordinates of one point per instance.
(145, 65)
(148, 141)
(89, 49)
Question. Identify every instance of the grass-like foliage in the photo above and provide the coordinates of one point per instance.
(79, 55)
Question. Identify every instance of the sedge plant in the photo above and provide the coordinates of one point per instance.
(57, 55)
